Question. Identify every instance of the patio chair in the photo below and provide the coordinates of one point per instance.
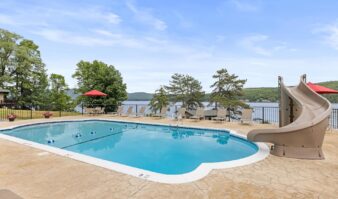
(88, 110)
(221, 115)
(246, 116)
(98, 110)
(129, 112)
(142, 112)
(181, 113)
(199, 114)
(162, 113)
(103, 110)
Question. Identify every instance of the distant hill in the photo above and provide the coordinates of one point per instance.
(333, 85)
(267, 94)
(139, 96)
(270, 94)
(263, 94)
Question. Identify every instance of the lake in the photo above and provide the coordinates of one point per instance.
(252, 104)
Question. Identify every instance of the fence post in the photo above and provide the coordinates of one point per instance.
(31, 112)
(336, 116)
(81, 108)
(263, 115)
(229, 111)
(136, 109)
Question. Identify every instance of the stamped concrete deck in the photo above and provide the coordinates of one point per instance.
(31, 173)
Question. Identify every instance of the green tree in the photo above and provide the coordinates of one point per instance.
(8, 45)
(159, 100)
(59, 100)
(226, 89)
(22, 70)
(186, 89)
(28, 75)
(100, 76)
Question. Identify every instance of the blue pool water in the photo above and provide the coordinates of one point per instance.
(161, 149)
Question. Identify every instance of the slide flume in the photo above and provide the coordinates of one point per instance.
(304, 118)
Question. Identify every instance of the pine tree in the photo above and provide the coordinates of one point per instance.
(159, 100)
(226, 89)
(187, 90)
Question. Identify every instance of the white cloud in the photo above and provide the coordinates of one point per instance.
(104, 38)
(263, 45)
(112, 18)
(330, 34)
(145, 17)
(37, 16)
(4, 19)
(65, 37)
(106, 33)
(244, 6)
(183, 21)
(253, 43)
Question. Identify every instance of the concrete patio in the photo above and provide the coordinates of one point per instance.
(32, 173)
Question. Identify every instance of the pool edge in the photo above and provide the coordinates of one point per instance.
(200, 172)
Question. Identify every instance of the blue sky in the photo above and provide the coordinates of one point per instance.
(150, 40)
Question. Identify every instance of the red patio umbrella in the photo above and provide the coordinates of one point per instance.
(94, 93)
(321, 89)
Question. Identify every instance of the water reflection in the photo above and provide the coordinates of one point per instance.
(220, 137)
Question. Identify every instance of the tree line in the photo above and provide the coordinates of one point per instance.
(24, 74)
(226, 92)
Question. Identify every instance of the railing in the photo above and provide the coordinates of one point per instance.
(32, 113)
(271, 115)
(261, 114)
(334, 119)
(265, 114)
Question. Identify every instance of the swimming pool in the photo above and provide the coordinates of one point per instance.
(146, 149)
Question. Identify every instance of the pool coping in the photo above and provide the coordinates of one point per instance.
(200, 172)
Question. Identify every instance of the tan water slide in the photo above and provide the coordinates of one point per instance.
(304, 118)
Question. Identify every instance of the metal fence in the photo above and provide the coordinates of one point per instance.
(266, 114)
(20, 113)
(261, 114)
(271, 115)
(334, 119)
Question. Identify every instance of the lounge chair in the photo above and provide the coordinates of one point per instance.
(162, 113)
(246, 116)
(199, 114)
(221, 115)
(181, 113)
(118, 112)
(140, 113)
(89, 110)
(129, 112)
(98, 110)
